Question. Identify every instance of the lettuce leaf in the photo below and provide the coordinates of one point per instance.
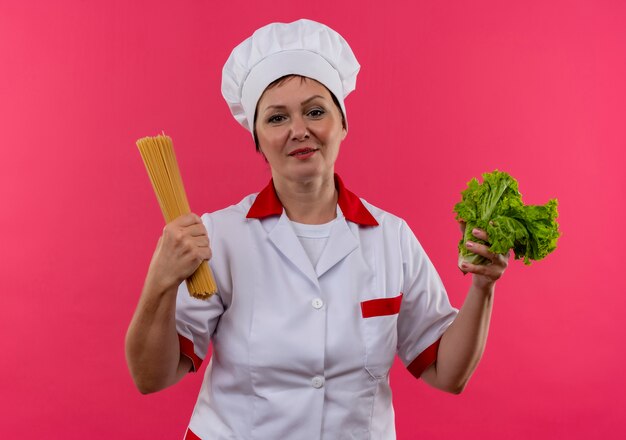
(496, 206)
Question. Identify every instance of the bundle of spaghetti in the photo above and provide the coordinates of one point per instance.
(158, 156)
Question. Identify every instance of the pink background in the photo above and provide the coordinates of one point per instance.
(447, 90)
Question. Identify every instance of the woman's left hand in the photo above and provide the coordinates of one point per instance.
(463, 343)
(485, 276)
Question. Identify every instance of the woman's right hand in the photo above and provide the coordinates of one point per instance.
(180, 250)
(152, 347)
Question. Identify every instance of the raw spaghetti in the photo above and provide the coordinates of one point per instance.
(158, 155)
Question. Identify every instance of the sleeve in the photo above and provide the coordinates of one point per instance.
(426, 312)
(197, 319)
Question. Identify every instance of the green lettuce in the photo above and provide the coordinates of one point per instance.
(496, 206)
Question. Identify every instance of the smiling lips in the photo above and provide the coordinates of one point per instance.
(303, 153)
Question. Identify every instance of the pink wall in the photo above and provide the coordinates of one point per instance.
(448, 90)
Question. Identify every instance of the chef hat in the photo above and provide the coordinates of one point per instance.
(304, 47)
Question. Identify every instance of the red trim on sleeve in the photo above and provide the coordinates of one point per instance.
(189, 435)
(424, 360)
(186, 348)
(381, 306)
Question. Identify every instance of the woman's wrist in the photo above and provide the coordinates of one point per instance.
(483, 287)
(158, 284)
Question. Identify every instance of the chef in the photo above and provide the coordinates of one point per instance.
(318, 290)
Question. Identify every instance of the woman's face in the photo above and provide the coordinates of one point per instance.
(299, 129)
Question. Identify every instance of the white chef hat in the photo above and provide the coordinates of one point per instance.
(304, 47)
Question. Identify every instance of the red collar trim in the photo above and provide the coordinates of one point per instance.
(267, 204)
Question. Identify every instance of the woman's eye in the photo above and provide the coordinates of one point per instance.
(316, 112)
(275, 119)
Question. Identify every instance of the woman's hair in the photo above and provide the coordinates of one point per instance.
(281, 81)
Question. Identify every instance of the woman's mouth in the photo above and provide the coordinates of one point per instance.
(303, 153)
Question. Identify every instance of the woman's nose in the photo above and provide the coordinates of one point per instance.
(299, 129)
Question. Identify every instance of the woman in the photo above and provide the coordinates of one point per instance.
(317, 289)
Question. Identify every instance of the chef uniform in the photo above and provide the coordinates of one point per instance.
(303, 339)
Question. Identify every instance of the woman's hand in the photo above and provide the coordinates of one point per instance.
(180, 250)
(485, 276)
(463, 343)
(152, 347)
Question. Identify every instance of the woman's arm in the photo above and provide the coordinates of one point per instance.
(152, 347)
(463, 343)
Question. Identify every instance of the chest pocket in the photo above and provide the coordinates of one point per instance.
(379, 319)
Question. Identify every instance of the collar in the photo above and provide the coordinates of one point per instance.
(267, 204)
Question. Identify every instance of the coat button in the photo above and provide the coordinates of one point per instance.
(317, 303)
(317, 382)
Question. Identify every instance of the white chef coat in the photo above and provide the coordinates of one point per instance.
(303, 352)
